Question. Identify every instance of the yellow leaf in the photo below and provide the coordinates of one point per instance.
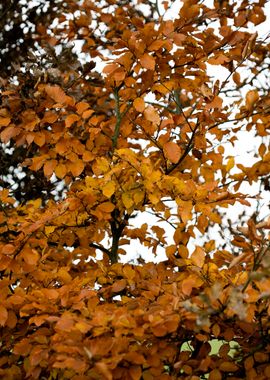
(138, 197)
(49, 229)
(230, 164)
(172, 151)
(127, 200)
(148, 62)
(139, 104)
(108, 189)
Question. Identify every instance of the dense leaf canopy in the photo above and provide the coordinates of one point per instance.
(112, 111)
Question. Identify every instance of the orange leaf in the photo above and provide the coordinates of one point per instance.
(188, 284)
(60, 170)
(70, 119)
(76, 167)
(58, 95)
(220, 59)
(215, 374)
(251, 98)
(86, 114)
(8, 133)
(50, 117)
(108, 189)
(3, 315)
(23, 347)
(156, 45)
(215, 103)
(236, 78)
(4, 121)
(198, 257)
(228, 367)
(40, 138)
(148, 62)
(119, 285)
(151, 115)
(106, 207)
(8, 249)
(139, 104)
(49, 167)
(81, 107)
(135, 372)
(172, 151)
(30, 256)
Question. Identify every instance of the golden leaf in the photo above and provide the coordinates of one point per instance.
(108, 189)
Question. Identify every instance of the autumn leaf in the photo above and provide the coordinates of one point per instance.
(124, 253)
(30, 256)
(8, 133)
(172, 151)
(230, 164)
(58, 95)
(251, 98)
(71, 119)
(3, 315)
(108, 189)
(151, 114)
(139, 104)
(198, 257)
(147, 61)
(4, 121)
(215, 103)
(49, 167)
(106, 207)
(82, 107)
(76, 167)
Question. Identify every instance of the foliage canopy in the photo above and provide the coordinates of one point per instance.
(134, 123)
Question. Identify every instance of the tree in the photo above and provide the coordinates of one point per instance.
(144, 133)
